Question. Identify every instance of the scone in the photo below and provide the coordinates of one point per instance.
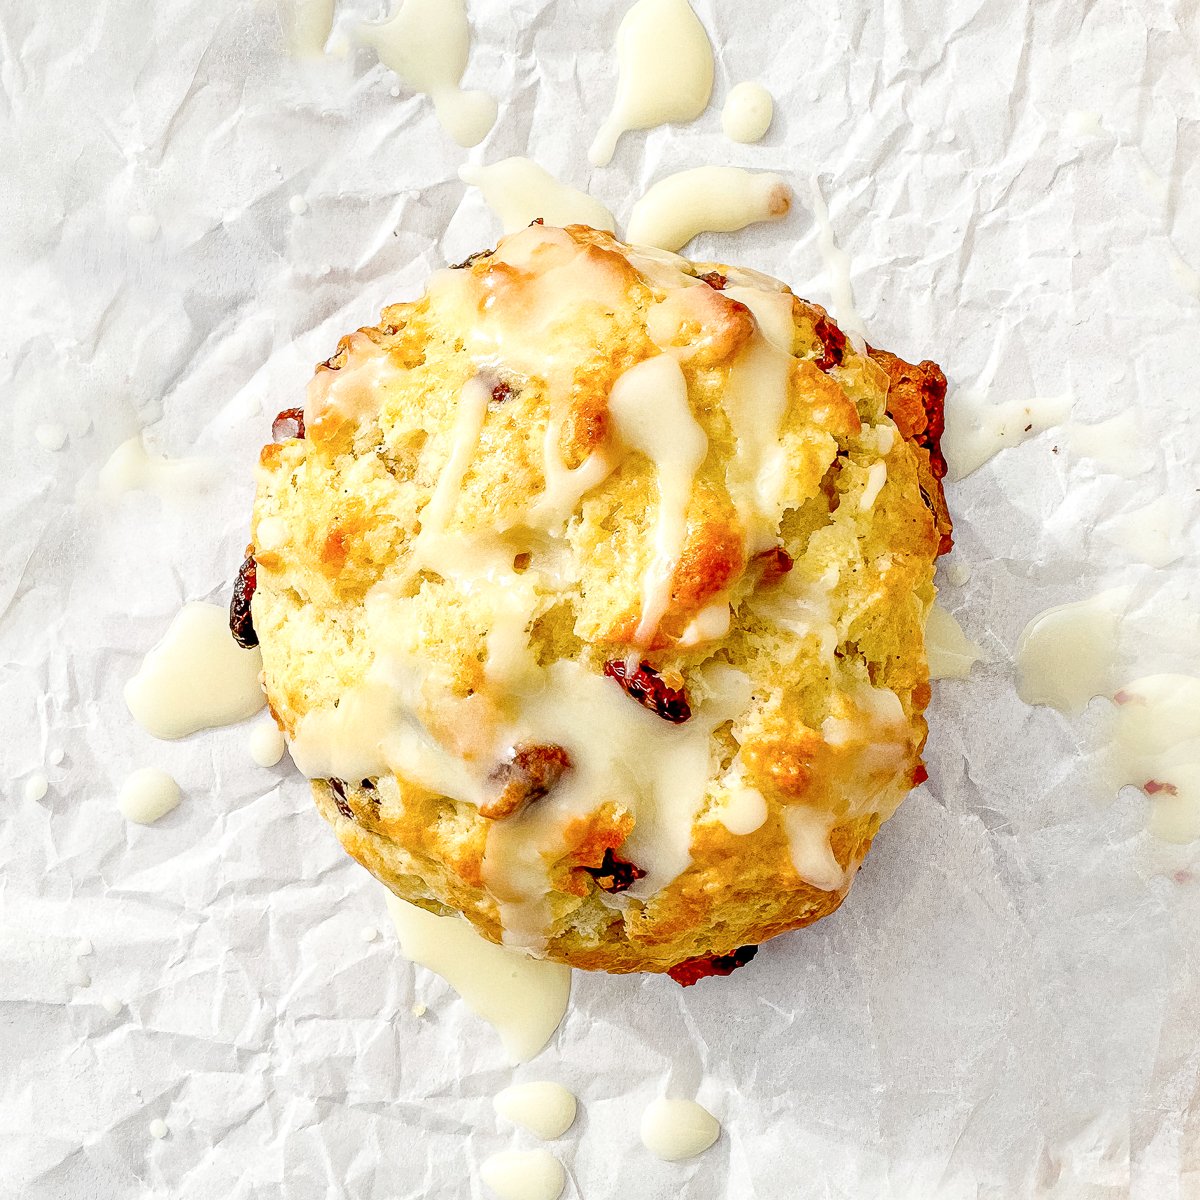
(591, 590)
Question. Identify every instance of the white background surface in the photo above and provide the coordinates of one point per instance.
(1007, 1004)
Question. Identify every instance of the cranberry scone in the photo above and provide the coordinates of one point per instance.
(591, 590)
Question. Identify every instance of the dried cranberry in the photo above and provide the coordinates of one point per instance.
(530, 773)
(693, 969)
(833, 343)
(646, 686)
(338, 787)
(241, 621)
(289, 424)
(715, 280)
(1153, 787)
(775, 563)
(919, 775)
(502, 392)
(614, 874)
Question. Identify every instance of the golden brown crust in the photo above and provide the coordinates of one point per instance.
(917, 403)
(825, 599)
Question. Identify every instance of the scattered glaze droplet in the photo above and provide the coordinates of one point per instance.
(266, 744)
(50, 436)
(950, 652)
(111, 1005)
(706, 199)
(742, 809)
(158, 1128)
(307, 25)
(1152, 534)
(546, 1109)
(1081, 123)
(748, 112)
(1066, 654)
(36, 787)
(1156, 747)
(83, 948)
(808, 831)
(837, 266)
(298, 206)
(143, 226)
(976, 431)
(77, 975)
(368, 933)
(522, 998)
(1185, 275)
(665, 72)
(419, 1010)
(427, 42)
(56, 756)
(958, 572)
(1115, 445)
(518, 191)
(147, 796)
(132, 467)
(524, 1175)
(678, 1129)
(196, 678)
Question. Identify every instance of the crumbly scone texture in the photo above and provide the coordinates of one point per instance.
(426, 575)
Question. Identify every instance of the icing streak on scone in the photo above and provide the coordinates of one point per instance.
(650, 415)
(608, 575)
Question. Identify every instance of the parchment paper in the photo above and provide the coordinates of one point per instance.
(1007, 1004)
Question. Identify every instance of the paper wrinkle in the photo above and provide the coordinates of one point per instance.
(1008, 993)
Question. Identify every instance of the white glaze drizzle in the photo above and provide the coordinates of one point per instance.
(950, 652)
(1115, 445)
(976, 430)
(546, 1109)
(427, 43)
(740, 808)
(196, 678)
(50, 436)
(837, 266)
(757, 395)
(36, 787)
(876, 478)
(266, 744)
(524, 1175)
(808, 831)
(1152, 534)
(649, 406)
(1083, 124)
(677, 1129)
(147, 796)
(620, 753)
(131, 467)
(748, 112)
(307, 25)
(706, 199)
(518, 191)
(1067, 654)
(431, 548)
(522, 998)
(665, 72)
(1156, 747)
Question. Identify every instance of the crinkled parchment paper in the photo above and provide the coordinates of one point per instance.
(1007, 1004)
